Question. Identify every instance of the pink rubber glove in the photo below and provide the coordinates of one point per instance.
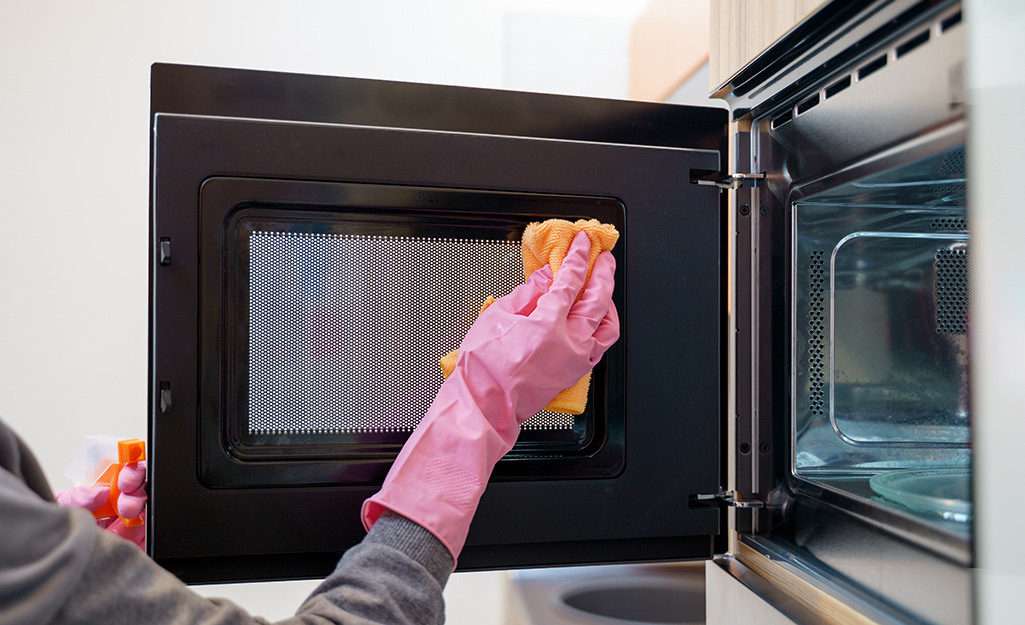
(521, 351)
(136, 534)
(87, 497)
(132, 483)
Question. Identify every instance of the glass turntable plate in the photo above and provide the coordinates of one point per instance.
(946, 492)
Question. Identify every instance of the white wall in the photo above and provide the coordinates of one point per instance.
(74, 117)
(996, 74)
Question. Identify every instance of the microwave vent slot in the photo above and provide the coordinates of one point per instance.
(872, 67)
(838, 86)
(950, 22)
(782, 119)
(817, 333)
(911, 44)
(952, 295)
(808, 104)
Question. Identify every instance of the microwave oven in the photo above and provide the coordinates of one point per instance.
(792, 381)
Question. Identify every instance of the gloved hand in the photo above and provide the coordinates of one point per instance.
(521, 351)
(132, 483)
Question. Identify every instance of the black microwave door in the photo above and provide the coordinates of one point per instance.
(319, 243)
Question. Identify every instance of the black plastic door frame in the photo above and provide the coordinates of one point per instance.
(210, 122)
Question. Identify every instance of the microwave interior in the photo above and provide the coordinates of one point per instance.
(875, 490)
(854, 320)
(879, 281)
(881, 325)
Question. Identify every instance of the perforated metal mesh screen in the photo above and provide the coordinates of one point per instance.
(345, 331)
(817, 333)
(952, 293)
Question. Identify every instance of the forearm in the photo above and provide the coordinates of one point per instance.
(395, 575)
(57, 566)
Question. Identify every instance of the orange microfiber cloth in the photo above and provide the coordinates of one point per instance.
(546, 243)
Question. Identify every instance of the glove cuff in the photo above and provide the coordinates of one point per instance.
(442, 471)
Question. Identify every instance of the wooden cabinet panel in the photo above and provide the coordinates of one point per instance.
(742, 29)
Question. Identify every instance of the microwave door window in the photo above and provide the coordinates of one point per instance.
(343, 333)
(333, 320)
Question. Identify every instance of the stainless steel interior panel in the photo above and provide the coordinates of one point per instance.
(848, 114)
(880, 282)
(867, 164)
(848, 41)
(880, 326)
(881, 349)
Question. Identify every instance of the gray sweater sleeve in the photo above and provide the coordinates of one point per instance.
(57, 566)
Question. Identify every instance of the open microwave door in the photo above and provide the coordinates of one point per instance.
(317, 244)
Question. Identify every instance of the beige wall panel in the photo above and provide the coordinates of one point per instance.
(669, 44)
(742, 29)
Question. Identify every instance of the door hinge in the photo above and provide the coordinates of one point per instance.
(733, 181)
(733, 499)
